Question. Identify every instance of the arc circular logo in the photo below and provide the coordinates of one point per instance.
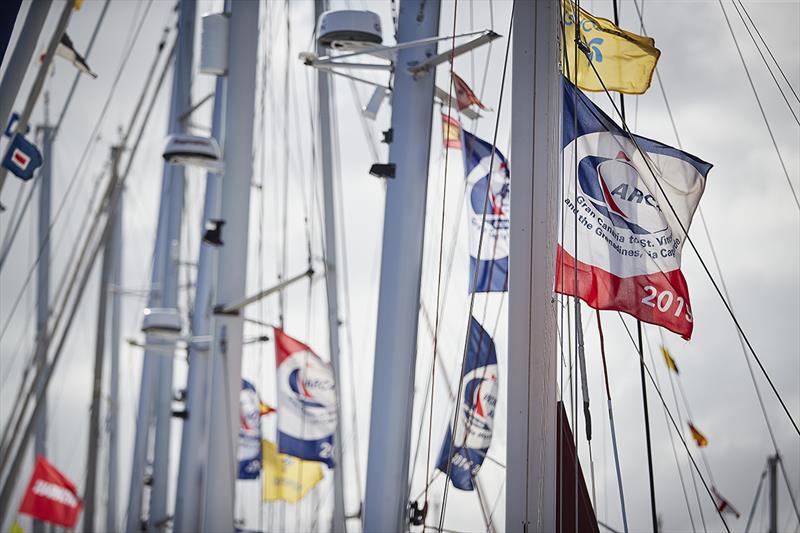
(615, 189)
(312, 384)
(498, 207)
(249, 414)
(478, 407)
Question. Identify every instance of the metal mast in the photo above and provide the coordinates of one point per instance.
(324, 95)
(93, 443)
(156, 381)
(531, 484)
(401, 270)
(772, 464)
(194, 439)
(43, 285)
(226, 351)
(114, 340)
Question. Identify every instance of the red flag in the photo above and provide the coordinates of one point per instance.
(51, 497)
(464, 95)
(451, 132)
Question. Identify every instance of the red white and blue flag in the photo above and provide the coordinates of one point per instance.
(306, 401)
(492, 262)
(627, 256)
(249, 453)
(476, 409)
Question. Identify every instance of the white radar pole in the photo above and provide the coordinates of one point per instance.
(226, 350)
(386, 505)
(535, 150)
(155, 392)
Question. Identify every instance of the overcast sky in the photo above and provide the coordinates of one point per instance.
(752, 219)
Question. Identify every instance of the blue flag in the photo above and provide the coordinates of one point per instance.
(249, 453)
(475, 411)
(492, 264)
(22, 157)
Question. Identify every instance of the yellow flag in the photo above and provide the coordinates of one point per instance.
(16, 528)
(625, 61)
(698, 437)
(287, 478)
(78, 4)
(670, 361)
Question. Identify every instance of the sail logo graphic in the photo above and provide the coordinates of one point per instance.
(312, 385)
(615, 189)
(498, 206)
(476, 418)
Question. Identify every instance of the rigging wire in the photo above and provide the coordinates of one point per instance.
(77, 172)
(475, 275)
(766, 63)
(763, 113)
(678, 431)
(12, 228)
(702, 261)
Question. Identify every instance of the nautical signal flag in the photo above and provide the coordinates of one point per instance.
(698, 437)
(306, 401)
(624, 61)
(723, 505)
(475, 420)
(451, 132)
(249, 452)
(669, 360)
(287, 478)
(628, 205)
(491, 263)
(465, 97)
(51, 497)
(22, 157)
(67, 50)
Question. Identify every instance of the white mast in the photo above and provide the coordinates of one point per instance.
(531, 448)
(386, 506)
(324, 97)
(194, 438)
(156, 381)
(226, 349)
(43, 284)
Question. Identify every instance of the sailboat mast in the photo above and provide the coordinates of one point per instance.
(155, 393)
(331, 285)
(114, 340)
(226, 349)
(43, 284)
(194, 437)
(535, 148)
(93, 442)
(772, 465)
(401, 270)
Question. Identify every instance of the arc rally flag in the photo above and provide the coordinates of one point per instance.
(492, 265)
(287, 478)
(249, 453)
(476, 409)
(625, 61)
(51, 497)
(629, 239)
(306, 401)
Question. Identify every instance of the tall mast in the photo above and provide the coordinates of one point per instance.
(324, 97)
(772, 464)
(114, 340)
(531, 448)
(226, 349)
(401, 270)
(194, 438)
(156, 381)
(43, 283)
(93, 442)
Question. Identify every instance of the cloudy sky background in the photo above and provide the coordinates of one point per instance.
(752, 219)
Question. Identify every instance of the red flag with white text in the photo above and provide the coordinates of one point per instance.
(51, 497)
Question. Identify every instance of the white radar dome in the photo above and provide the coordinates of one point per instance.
(349, 29)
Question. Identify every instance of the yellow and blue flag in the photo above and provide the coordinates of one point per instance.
(287, 478)
(624, 61)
